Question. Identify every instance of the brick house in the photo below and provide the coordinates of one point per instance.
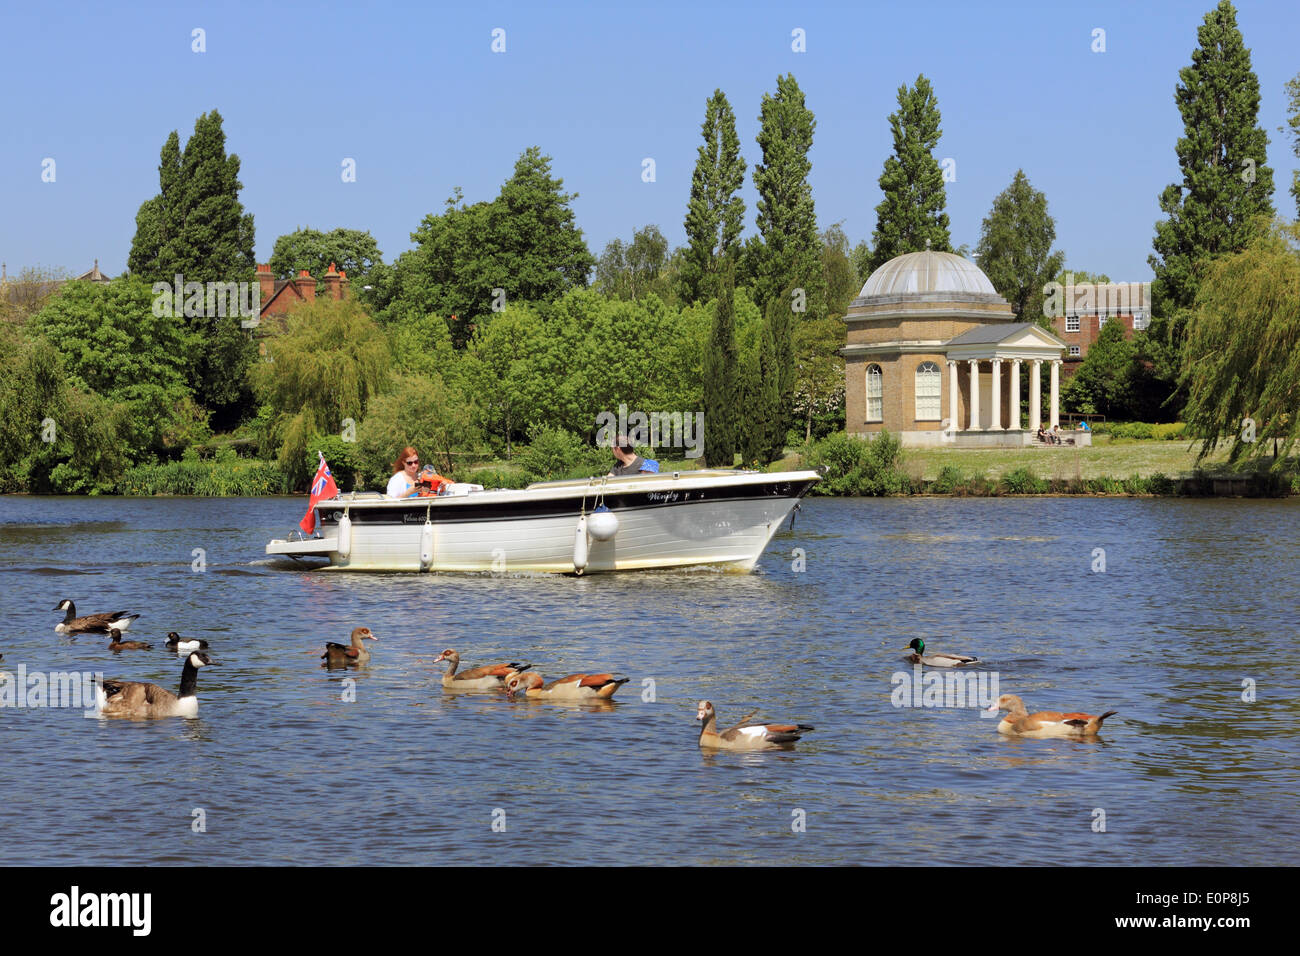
(923, 311)
(282, 296)
(1086, 308)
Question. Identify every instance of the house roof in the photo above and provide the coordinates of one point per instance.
(989, 334)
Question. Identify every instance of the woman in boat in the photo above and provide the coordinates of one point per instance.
(402, 484)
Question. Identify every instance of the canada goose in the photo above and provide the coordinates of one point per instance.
(177, 643)
(1047, 723)
(573, 687)
(117, 644)
(934, 659)
(91, 623)
(480, 678)
(340, 655)
(125, 698)
(746, 736)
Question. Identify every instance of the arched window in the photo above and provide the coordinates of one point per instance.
(875, 394)
(928, 384)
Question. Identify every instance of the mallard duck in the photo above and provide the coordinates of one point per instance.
(340, 655)
(1047, 723)
(122, 698)
(117, 644)
(573, 687)
(91, 623)
(179, 644)
(935, 660)
(744, 736)
(491, 677)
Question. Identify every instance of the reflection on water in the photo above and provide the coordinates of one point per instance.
(1195, 609)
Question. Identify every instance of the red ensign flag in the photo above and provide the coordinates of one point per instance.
(322, 488)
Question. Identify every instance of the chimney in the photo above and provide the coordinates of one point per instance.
(266, 281)
(307, 286)
(331, 282)
(343, 284)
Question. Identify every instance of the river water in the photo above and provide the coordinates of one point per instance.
(1188, 607)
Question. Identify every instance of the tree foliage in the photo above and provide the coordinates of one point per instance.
(838, 271)
(330, 361)
(352, 250)
(715, 214)
(1243, 349)
(911, 217)
(632, 270)
(722, 411)
(787, 219)
(1292, 129)
(1015, 248)
(1223, 200)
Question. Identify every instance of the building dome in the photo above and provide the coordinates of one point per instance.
(928, 272)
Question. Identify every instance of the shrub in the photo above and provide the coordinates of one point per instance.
(1161, 484)
(212, 478)
(950, 478)
(858, 466)
(554, 453)
(498, 478)
(1023, 481)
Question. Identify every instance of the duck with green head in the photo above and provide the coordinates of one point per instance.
(919, 656)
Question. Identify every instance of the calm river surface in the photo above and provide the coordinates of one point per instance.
(1196, 597)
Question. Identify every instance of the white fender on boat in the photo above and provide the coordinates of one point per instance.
(580, 545)
(426, 546)
(345, 535)
(603, 524)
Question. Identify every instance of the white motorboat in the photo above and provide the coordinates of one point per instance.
(673, 519)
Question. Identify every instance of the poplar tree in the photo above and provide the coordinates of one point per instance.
(790, 257)
(1223, 201)
(722, 412)
(1293, 127)
(912, 211)
(1015, 248)
(715, 215)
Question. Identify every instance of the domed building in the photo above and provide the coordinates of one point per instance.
(934, 355)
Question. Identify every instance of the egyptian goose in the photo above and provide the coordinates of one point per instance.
(935, 659)
(340, 655)
(746, 736)
(573, 687)
(480, 678)
(124, 698)
(117, 644)
(1047, 723)
(91, 623)
(179, 644)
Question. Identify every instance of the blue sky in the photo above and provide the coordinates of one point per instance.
(414, 93)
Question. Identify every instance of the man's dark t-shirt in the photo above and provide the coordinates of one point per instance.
(631, 468)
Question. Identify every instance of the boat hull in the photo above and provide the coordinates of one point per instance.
(706, 519)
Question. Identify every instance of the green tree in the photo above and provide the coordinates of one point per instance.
(524, 246)
(838, 272)
(819, 371)
(1293, 128)
(1105, 381)
(862, 261)
(722, 395)
(422, 411)
(762, 419)
(351, 250)
(114, 342)
(716, 212)
(330, 361)
(1223, 201)
(196, 228)
(1015, 248)
(787, 219)
(504, 367)
(1243, 350)
(911, 217)
(630, 271)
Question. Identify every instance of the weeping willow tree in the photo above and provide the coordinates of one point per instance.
(1242, 364)
(322, 373)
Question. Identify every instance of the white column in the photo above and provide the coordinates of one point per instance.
(996, 424)
(1056, 392)
(1015, 395)
(974, 395)
(953, 424)
(1035, 396)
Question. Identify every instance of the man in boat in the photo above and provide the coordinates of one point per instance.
(630, 463)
